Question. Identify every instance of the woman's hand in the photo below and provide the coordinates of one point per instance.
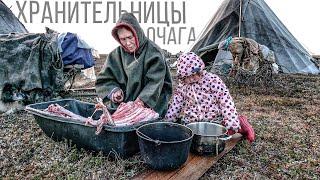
(138, 100)
(117, 97)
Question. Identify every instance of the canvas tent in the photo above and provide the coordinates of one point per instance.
(9, 23)
(258, 22)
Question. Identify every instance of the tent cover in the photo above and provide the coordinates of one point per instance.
(259, 23)
(9, 23)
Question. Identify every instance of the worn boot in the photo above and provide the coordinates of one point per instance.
(246, 129)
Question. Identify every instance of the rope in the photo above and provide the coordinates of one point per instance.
(228, 42)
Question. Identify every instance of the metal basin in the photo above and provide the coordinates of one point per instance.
(209, 138)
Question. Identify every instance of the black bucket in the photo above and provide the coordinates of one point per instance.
(164, 145)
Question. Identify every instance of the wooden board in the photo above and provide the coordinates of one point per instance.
(193, 169)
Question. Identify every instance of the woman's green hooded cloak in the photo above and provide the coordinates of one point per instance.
(142, 74)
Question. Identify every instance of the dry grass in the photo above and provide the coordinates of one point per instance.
(286, 120)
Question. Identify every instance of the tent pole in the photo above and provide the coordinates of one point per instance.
(240, 17)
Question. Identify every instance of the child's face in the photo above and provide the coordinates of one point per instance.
(192, 79)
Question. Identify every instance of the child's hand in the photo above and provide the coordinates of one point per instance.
(230, 132)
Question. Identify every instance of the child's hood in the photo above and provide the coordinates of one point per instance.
(188, 64)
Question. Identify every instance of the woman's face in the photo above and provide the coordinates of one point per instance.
(192, 79)
(127, 39)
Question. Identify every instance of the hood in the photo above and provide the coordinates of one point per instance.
(130, 21)
(188, 64)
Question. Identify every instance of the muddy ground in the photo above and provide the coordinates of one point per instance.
(285, 117)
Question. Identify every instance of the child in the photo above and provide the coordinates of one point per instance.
(202, 96)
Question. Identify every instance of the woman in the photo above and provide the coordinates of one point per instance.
(136, 70)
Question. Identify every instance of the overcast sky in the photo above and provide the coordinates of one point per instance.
(300, 17)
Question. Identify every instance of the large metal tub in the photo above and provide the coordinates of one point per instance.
(209, 138)
(120, 140)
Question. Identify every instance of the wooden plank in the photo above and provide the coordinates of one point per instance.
(194, 167)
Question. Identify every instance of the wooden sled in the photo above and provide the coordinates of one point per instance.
(193, 169)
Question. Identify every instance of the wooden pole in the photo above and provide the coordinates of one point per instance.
(240, 17)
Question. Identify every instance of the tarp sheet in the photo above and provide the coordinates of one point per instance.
(72, 53)
(31, 65)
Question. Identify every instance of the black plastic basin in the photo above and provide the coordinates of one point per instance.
(121, 141)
